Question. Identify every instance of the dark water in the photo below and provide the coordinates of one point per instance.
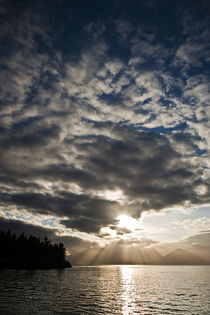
(107, 290)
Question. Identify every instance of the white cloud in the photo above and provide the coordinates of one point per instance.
(194, 226)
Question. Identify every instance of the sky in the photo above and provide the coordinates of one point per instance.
(104, 124)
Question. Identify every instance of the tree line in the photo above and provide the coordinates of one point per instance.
(30, 252)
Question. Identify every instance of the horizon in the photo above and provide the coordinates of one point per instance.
(104, 127)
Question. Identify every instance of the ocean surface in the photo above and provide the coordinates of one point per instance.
(107, 290)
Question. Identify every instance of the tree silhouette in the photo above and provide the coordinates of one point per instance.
(30, 252)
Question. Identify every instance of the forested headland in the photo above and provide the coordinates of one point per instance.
(22, 252)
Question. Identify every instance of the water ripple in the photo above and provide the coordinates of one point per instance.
(107, 290)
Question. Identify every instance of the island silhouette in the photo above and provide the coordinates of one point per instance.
(22, 252)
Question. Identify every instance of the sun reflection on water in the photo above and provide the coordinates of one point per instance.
(127, 275)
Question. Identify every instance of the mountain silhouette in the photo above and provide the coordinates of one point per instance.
(184, 257)
(115, 255)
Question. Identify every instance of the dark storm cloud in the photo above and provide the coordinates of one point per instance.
(142, 165)
(28, 134)
(69, 173)
(87, 224)
(80, 84)
(19, 227)
(86, 213)
(70, 242)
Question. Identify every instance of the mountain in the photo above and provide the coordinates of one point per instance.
(184, 257)
(201, 251)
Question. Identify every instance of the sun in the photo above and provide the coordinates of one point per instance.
(128, 222)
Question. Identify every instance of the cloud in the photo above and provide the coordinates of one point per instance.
(196, 225)
(19, 227)
(85, 213)
(21, 60)
(143, 166)
(124, 28)
(136, 162)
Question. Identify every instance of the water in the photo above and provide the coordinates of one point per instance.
(107, 290)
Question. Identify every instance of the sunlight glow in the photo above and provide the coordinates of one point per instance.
(128, 222)
(112, 195)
